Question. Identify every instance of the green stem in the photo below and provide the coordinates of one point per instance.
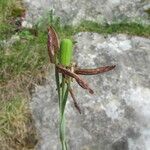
(64, 58)
(57, 84)
(63, 95)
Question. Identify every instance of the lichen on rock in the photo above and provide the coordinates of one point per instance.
(101, 11)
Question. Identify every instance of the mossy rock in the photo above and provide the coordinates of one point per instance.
(148, 11)
(18, 12)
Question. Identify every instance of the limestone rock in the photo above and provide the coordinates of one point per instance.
(117, 116)
(102, 11)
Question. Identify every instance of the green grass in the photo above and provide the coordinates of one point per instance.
(30, 53)
(25, 55)
(17, 131)
(123, 27)
(12, 114)
(68, 31)
(9, 10)
(15, 126)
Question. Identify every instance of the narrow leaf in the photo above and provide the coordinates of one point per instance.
(94, 71)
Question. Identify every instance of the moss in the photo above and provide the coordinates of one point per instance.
(18, 12)
(148, 11)
(9, 11)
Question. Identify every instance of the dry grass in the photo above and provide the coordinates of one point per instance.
(17, 131)
(16, 128)
(21, 69)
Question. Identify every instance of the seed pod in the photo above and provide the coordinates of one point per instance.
(94, 71)
(66, 51)
(52, 44)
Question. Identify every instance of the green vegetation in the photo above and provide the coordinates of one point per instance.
(25, 62)
(148, 11)
(30, 53)
(9, 10)
(123, 27)
(15, 129)
(65, 58)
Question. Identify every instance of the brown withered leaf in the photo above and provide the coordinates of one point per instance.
(74, 100)
(52, 43)
(79, 80)
(93, 71)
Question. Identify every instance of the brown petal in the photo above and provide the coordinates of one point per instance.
(79, 80)
(52, 44)
(74, 100)
(94, 71)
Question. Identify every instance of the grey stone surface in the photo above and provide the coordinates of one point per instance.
(117, 116)
(72, 12)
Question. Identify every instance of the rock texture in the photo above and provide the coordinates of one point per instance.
(72, 12)
(117, 116)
